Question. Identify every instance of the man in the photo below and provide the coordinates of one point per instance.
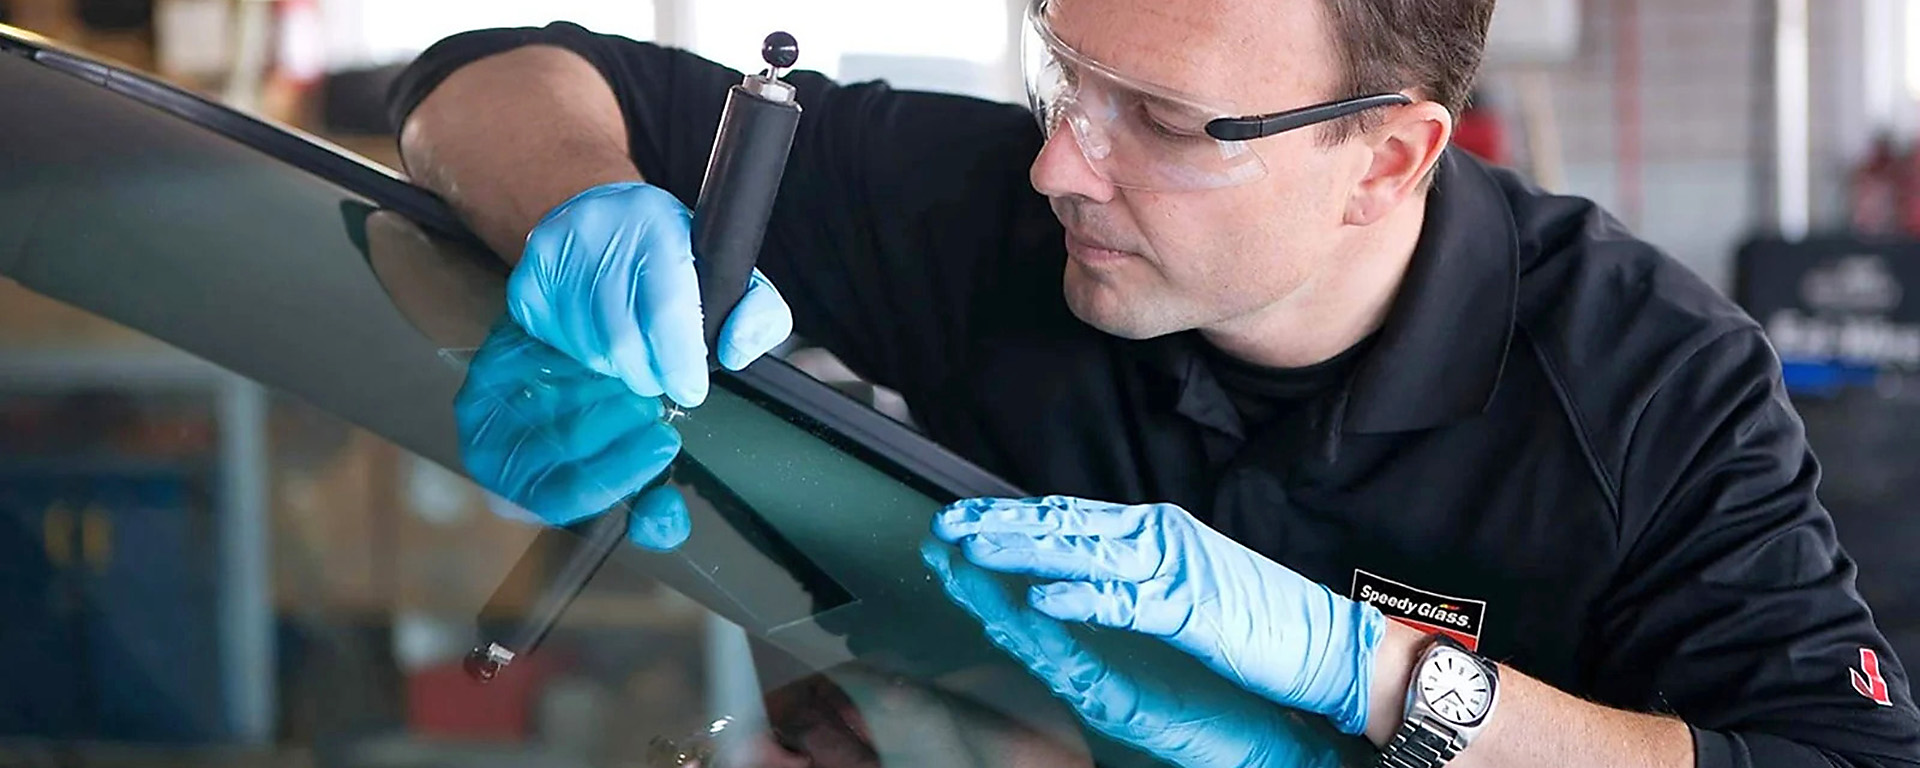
(1232, 335)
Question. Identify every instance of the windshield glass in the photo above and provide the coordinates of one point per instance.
(239, 531)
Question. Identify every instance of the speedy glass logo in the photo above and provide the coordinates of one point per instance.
(1457, 617)
(1444, 613)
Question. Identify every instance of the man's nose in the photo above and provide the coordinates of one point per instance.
(1062, 170)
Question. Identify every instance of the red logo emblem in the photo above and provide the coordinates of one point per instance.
(1871, 685)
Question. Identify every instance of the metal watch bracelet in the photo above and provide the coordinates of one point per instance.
(1418, 745)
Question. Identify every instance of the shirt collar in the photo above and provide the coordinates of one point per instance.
(1444, 344)
(1441, 352)
(1192, 388)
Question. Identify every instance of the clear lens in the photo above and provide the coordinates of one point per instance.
(1133, 134)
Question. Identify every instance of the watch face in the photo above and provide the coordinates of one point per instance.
(1455, 687)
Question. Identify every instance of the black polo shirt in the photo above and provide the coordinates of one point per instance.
(1562, 446)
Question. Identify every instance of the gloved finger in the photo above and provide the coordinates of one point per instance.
(1139, 608)
(498, 447)
(581, 249)
(660, 521)
(571, 418)
(1041, 644)
(566, 491)
(1049, 515)
(531, 308)
(667, 306)
(1203, 723)
(1199, 723)
(1109, 700)
(629, 360)
(549, 393)
(1081, 558)
(593, 427)
(759, 323)
(535, 404)
(576, 384)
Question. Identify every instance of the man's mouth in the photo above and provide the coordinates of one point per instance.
(1094, 253)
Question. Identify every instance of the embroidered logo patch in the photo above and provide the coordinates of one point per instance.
(1871, 684)
(1457, 617)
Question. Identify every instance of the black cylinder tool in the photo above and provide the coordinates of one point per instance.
(743, 175)
(729, 223)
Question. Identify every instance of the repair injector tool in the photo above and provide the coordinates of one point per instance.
(729, 224)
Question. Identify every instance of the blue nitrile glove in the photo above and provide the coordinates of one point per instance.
(607, 277)
(1155, 569)
(566, 443)
(1197, 723)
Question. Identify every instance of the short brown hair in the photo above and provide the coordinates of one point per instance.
(1385, 46)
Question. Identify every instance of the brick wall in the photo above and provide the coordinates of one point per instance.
(1705, 132)
(1698, 92)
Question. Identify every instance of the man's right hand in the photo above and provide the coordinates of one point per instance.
(607, 277)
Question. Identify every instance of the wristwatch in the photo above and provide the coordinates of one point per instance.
(1452, 695)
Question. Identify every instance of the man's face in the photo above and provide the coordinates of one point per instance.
(1144, 264)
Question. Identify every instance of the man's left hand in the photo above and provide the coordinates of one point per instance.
(1155, 569)
(1193, 723)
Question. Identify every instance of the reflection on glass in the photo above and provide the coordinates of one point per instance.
(786, 532)
(694, 749)
(384, 563)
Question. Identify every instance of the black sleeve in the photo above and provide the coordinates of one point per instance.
(1736, 608)
(900, 214)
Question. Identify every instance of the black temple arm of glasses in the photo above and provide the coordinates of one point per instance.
(1260, 126)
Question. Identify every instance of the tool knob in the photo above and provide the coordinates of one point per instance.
(780, 51)
(480, 666)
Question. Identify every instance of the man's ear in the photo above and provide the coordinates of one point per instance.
(1403, 152)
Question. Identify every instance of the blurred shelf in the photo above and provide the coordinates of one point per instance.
(58, 368)
(103, 463)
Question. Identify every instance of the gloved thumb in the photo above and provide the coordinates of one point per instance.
(1108, 604)
(660, 521)
(757, 324)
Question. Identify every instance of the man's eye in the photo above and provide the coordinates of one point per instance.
(1165, 131)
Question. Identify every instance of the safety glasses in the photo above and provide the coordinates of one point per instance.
(1142, 136)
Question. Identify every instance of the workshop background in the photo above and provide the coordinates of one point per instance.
(1768, 144)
